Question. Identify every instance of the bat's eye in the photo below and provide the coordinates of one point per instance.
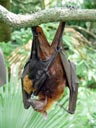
(39, 72)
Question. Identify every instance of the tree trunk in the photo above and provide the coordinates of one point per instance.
(5, 31)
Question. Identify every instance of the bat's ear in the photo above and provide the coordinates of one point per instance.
(2, 69)
(58, 35)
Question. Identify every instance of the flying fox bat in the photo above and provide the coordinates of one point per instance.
(47, 73)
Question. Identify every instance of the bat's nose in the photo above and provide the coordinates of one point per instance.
(2, 69)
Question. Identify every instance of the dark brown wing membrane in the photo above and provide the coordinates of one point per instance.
(72, 81)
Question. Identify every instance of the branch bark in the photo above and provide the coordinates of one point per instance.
(45, 16)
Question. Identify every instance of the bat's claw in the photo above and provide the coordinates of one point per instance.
(38, 105)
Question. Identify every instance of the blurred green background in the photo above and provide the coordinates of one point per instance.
(79, 42)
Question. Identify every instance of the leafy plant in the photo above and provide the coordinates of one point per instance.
(21, 37)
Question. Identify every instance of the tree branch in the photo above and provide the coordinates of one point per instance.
(45, 16)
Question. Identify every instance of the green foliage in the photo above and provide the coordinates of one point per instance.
(12, 113)
(89, 4)
(22, 36)
(18, 39)
(7, 48)
(26, 6)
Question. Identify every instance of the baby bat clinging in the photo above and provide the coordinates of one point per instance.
(44, 74)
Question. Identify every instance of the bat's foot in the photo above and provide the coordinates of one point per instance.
(38, 105)
(26, 104)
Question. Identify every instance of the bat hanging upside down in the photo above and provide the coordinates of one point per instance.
(44, 74)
